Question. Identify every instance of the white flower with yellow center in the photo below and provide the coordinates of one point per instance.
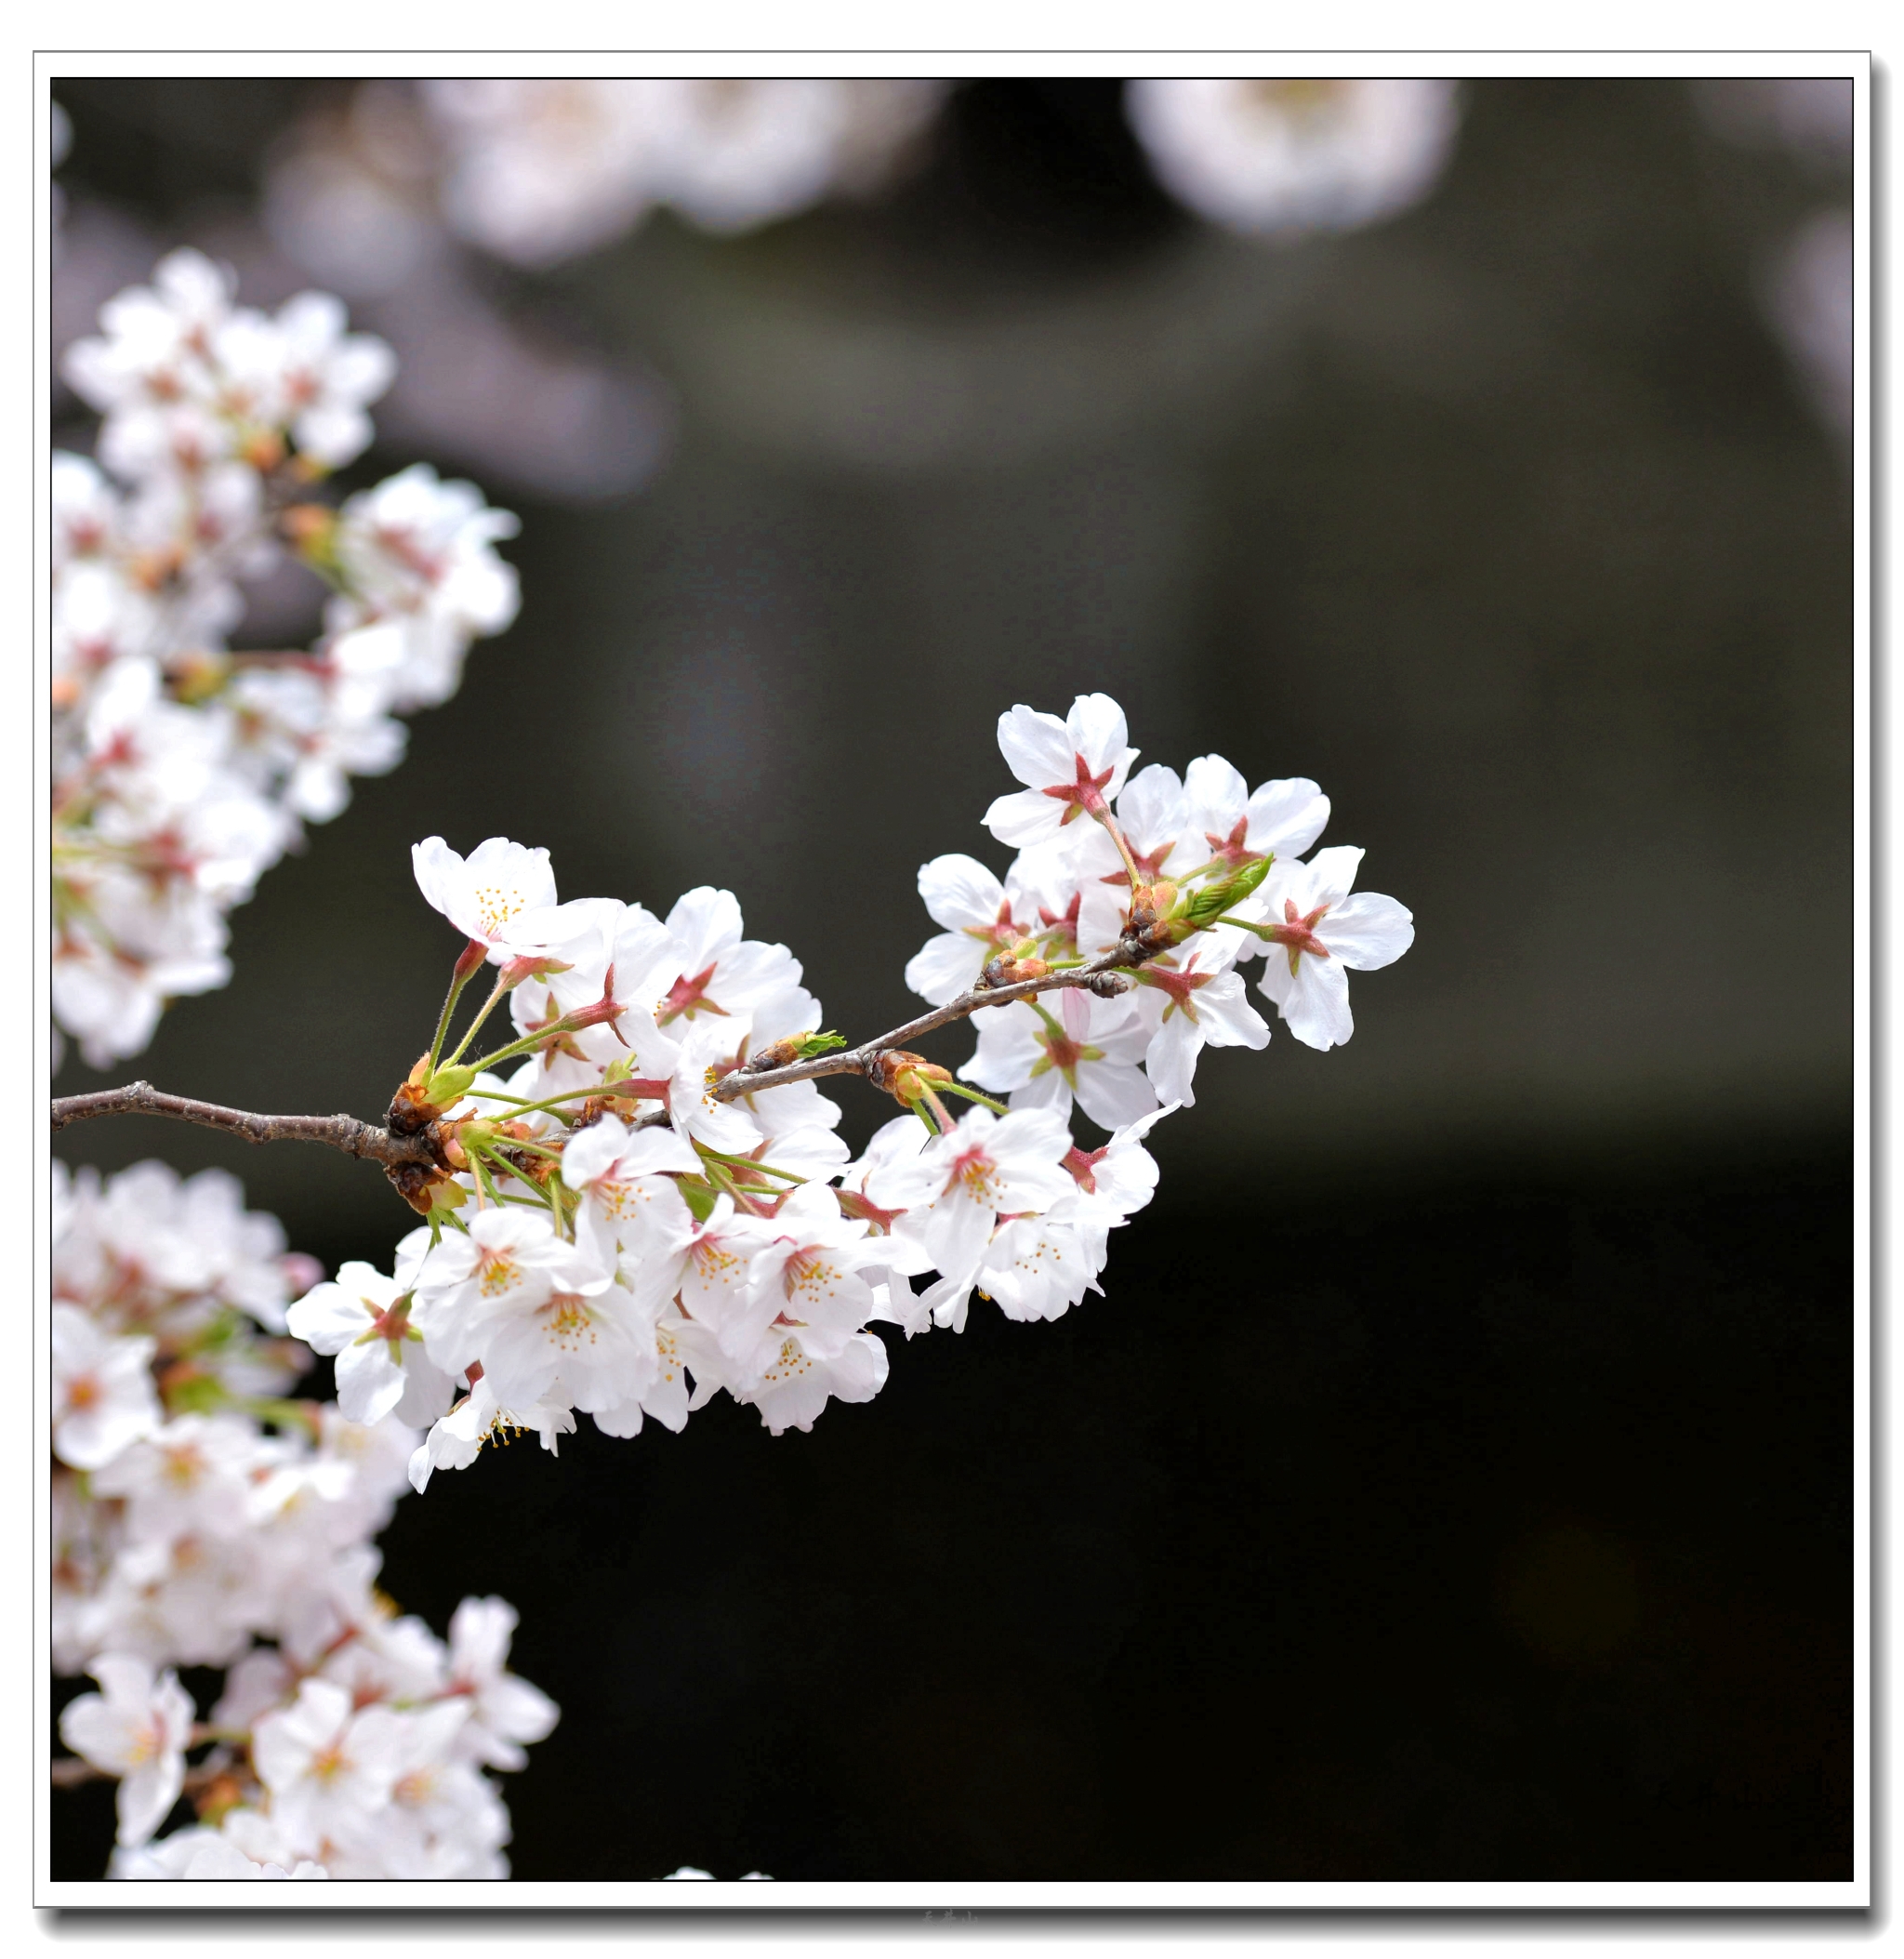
(485, 895)
(955, 1188)
(506, 1263)
(136, 1730)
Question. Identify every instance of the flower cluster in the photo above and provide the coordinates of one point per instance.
(1283, 157)
(652, 1205)
(182, 770)
(201, 1519)
(541, 169)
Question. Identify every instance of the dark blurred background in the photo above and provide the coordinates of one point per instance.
(1454, 1481)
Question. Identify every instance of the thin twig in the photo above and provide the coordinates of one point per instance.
(344, 1132)
(1128, 951)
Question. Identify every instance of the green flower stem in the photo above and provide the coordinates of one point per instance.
(959, 1087)
(1109, 823)
(553, 1032)
(457, 982)
(496, 993)
(746, 1163)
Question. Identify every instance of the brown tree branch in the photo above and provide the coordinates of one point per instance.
(1098, 976)
(403, 1156)
(344, 1132)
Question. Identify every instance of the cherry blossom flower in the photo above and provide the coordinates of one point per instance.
(202, 1533)
(102, 1390)
(1235, 827)
(421, 552)
(321, 1762)
(506, 1712)
(589, 1345)
(1187, 999)
(722, 974)
(507, 1261)
(1285, 157)
(196, 1475)
(612, 952)
(982, 918)
(136, 1728)
(959, 1183)
(692, 1068)
(790, 1012)
(542, 169)
(329, 375)
(456, 1439)
(485, 895)
(1044, 1056)
(796, 1382)
(1322, 932)
(363, 1318)
(808, 1275)
(1154, 819)
(1115, 1180)
(618, 1172)
(181, 772)
(1070, 767)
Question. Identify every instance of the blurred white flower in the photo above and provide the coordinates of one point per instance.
(1287, 156)
(136, 1729)
(544, 169)
(1811, 299)
(1810, 118)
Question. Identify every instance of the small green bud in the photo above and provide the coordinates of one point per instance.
(1202, 908)
(448, 1084)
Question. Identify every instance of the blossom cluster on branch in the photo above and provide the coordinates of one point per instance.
(201, 1519)
(652, 1204)
(181, 769)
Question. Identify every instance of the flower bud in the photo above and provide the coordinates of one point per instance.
(264, 450)
(198, 677)
(1003, 971)
(222, 1793)
(1204, 908)
(448, 1085)
(311, 529)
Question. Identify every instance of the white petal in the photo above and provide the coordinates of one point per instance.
(945, 967)
(1113, 1093)
(1172, 1059)
(1332, 872)
(1039, 748)
(958, 890)
(1287, 817)
(1027, 818)
(1367, 931)
(1097, 731)
(1318, 1006)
